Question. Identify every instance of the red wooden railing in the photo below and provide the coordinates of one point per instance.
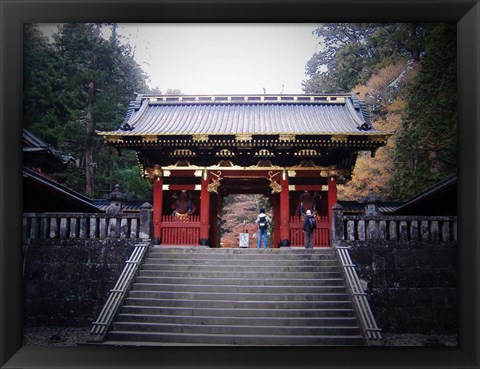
(177, 231)
(321, 235)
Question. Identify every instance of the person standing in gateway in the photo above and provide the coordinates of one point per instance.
(263, 221)
(309, 224)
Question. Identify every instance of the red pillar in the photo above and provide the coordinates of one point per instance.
(276, 220)
(157, 208)
(284, 211)
(332, 196)
(205, 210)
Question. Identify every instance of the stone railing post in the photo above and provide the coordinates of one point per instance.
(146, 224)
(337, 224)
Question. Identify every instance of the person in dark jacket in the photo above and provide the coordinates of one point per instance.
(263, 221)
(308, 229)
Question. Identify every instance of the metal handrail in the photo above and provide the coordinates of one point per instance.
(367, 319)
(117, 294)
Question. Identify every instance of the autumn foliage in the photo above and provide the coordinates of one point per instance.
(382, 93)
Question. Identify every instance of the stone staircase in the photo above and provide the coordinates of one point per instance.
(202, 296)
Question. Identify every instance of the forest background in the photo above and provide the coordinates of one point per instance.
(406, 73)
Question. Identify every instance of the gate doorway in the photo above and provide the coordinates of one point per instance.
(237, 214)
(188, 213)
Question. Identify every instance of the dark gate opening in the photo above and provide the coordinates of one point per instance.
(237, 214)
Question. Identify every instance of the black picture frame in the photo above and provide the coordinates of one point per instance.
(466, 13)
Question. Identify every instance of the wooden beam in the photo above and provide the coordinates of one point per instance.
(180, 187)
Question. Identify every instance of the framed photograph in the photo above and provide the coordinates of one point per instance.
(465, 14)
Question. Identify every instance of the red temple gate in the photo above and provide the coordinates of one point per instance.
(171, 228)
(198, 149)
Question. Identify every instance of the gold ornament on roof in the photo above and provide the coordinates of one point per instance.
(339, 138)
(150, 138)
(286, 137)
(243, 137)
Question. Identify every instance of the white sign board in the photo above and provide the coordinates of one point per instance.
(244, 239)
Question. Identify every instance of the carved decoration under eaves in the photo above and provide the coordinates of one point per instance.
(200, 137)
(182, 153)
(243, 137)
(274, 185)
(307, 163)
(182, 163)
(225, 163)
(153, 174)
(264, 153)
(149, 138)
(333, 171)
(378, 138)
(306, 152)
(213, 187)
(265, 164)
(286, 137)
(339, 138)
(225, 153)
(113, 139)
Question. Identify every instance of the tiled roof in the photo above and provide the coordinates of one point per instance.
(386, 207)
(267, 114)
(128, 206)
(441, 195)
(34, 144)
(70, 196)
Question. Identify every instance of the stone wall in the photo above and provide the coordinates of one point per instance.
(409, 264)
(67, 280)
(412, 285)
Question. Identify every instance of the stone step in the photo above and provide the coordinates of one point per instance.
(348, 321)
(167, 287)
(246, 262)
(236, 329)
(238, 312)
(232, 304)
(233, 254)
(239, 274)
(238, 250)
(232, 339)
(204, 296)
(265, 296)
(251, 280)
(148, 265)
(239, 257)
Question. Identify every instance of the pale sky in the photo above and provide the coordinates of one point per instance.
(223, 58)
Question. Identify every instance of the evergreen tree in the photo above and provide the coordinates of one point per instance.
(352, 52)
(43, 110)
(426, 150)
(357, 58)
(90, 82)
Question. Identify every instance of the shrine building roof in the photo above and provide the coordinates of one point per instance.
(173, 115)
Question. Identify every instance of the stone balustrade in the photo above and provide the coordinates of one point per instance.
(88, 225)
(393, 228)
